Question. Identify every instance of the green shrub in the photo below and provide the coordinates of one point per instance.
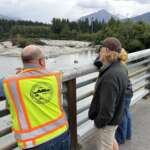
(23, 42)
(135, 45)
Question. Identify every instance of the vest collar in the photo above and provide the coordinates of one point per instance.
(31, 68)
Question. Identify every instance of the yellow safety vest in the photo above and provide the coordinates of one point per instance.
(34, 97)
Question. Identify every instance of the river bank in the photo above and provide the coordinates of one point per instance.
(53, 48)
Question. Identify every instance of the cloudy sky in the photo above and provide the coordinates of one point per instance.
(45, 10)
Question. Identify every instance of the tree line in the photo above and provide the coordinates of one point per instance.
(134, 35)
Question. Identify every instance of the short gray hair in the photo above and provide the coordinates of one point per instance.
(30, 53)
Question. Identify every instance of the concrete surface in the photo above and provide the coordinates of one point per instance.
(141, 129)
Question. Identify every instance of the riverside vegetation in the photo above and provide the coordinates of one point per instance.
(135, 36)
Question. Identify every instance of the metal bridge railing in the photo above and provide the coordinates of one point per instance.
(78, 86)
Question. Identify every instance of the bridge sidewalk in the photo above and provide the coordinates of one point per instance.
(141, 129)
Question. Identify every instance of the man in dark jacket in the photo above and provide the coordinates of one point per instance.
(107, 105)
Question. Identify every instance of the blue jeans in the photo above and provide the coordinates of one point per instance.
(59, 143)
(124, 130)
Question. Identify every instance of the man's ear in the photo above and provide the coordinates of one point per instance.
(42, 62)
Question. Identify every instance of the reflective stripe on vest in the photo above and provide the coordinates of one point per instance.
(29, 132)
(22, 118)
(40, 131)
(29, 144)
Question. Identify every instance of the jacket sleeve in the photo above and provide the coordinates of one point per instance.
(93, 110)
(108, 97)
(98, 63)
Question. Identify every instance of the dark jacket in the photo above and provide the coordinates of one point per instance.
(129, 90)
(107, 103)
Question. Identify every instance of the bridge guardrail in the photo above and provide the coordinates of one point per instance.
(78, 86)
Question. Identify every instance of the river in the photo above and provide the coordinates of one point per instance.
(63, 62)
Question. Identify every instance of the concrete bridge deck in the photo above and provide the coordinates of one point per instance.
(141, 129)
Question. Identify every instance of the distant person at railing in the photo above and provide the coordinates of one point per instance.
(34, 97)
(124, 130)
(107, 105)
(2, 96)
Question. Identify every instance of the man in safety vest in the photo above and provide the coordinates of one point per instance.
(34, 98)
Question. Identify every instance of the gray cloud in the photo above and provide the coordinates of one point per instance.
(45, 10)
(92, 4)
(37, 10)
(139, 1)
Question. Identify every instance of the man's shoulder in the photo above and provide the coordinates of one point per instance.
(55, 72)
(11, 77)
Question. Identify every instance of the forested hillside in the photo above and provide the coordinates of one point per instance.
(134, 36)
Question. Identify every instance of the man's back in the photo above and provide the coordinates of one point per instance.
(35, 106)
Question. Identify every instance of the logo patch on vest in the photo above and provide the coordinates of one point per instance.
(41, 92)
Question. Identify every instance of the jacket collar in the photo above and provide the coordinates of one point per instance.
(105, 68)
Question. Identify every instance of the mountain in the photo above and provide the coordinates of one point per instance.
(101, 15)
(8, 18)
(105, 16)
(144, 17)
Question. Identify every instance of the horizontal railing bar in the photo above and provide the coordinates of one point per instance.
(5, 125)
(78, 72)
(139, 63)
(81, 71)
(10, 144)
(139, 55)
(4, 112)
(139, 71)
(86, 118)
(17, 148)
(83, 96)
(83, 108)
(136, 88)
(91, 92)
(86, 107)
(82, 121)
(79, 85)
(5, 131)
(139, 95)
(134, 81)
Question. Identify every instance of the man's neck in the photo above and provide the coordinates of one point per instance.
(106, 63)
(27, 66)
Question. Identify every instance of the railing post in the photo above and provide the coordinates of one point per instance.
(72, 112)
